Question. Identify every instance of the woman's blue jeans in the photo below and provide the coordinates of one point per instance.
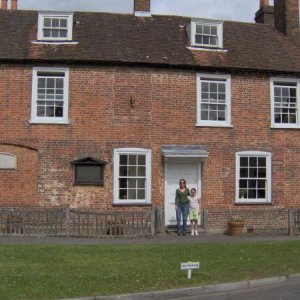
(182, 211)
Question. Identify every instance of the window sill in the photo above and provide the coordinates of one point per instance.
(50, 122)
(54, 42)
(208, 124)
(285, 127)
(132, 204)
(243, 202)
(201, 48)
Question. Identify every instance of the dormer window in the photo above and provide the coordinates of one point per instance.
(55, 27)
(206, 34)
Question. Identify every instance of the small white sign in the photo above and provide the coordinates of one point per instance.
(190, 266)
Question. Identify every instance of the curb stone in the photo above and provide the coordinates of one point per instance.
(197, 291)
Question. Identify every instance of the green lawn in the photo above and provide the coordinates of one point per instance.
(58, 271)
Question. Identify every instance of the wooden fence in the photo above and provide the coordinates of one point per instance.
(294, 221)
(78, 223)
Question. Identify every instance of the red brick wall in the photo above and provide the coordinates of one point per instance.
(142, 5)
(163, 112)
(18, 187)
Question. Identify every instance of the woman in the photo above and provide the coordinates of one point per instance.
(182, 206)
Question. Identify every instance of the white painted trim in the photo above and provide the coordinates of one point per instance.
(291, 80)
(199, 185)
(219, 26)
(137, 151)
(67, 15)
(227, 122)
(194, 48)
(49, 120)
(142, 14)
(268, 157)
(54, 43)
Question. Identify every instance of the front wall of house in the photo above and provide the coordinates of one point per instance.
(113, 107)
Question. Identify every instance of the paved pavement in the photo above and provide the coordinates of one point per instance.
(160, 239)
(201, 292)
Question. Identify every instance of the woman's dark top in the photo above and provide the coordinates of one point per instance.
(182, 197)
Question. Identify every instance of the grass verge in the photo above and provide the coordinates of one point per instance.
(65, 271)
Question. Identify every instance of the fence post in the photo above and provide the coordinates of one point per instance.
(205, 220)
(291, 230)
(153, 221)
(68, 222)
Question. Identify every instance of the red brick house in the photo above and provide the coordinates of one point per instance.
(108, 111)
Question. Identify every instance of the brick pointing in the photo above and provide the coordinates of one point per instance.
(164, 112)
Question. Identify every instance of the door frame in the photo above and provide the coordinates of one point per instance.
(181, 161)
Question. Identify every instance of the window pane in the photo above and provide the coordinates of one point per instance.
(122, 183)
(132, 183)
(198, 39)
(244, 173)
(261, 194)
(132, 194)
(55, 22)
(58, 112)
(132, 160)
(141, 183)
(49, 111)
(204, 87)
(199, 29)
(262, 173)
(47, 33)
(244, 161)
(132, 171)
(142, 160)
(253, 161)
(123, 159)
(40, 111)
(262, 162)
(47, 22)
(213, 30)
(252, 173)
(243, 184)
(63, 33)
(206, 29)
(123, 171)
(123, 194)
(142, 171)
(141, 194)
(63, 22)
(213, 40)
(205, 40)
(251, 194)
(88, 174)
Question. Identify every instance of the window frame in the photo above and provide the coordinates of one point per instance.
(132, 151)
(88, 161)
(12, 163)
(219, 26)
(272, 88)
(49, 120)
(268, 198)
(227, 80)
(42, 16)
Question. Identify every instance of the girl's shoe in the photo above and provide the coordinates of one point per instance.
(196, 232)
(193, 232)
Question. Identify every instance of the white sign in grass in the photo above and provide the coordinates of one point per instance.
(189, 266)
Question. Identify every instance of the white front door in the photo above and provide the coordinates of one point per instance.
(173, 173)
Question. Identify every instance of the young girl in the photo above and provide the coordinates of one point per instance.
(194, 211)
